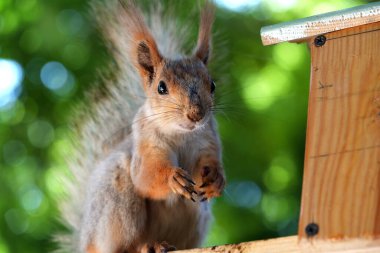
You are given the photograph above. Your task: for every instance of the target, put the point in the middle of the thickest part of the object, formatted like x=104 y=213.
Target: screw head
x=320 y=40
x=312 y=229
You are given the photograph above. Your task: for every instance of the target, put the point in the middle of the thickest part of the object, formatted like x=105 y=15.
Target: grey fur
x=101 y=191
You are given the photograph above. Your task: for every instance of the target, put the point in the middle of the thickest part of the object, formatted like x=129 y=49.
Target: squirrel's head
x=179 y=91
x=182 y=93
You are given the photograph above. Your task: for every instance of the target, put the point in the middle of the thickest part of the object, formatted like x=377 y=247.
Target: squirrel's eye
x=162 y=89
x=212 y=86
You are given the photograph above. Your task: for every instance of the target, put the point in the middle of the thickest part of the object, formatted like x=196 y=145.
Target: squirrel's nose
x=195 y=114
x=194 y=117
x=195 y=111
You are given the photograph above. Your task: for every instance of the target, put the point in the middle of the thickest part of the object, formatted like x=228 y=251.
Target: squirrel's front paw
x=213 y=180
x=181 y=183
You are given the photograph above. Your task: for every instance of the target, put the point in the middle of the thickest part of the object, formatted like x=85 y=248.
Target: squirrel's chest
x=189 y=151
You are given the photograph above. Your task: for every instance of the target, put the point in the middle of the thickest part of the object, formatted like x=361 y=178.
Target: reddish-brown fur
x=153 y=186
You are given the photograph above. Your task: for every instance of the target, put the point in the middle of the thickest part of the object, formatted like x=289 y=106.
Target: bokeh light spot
x=76 y=55
x=14 y=152
x=70 y=22
x=16 y=221
x=275 y=208
x=265 y=88
x=238 y=5
x=9 y=21
x=328 y=6
x=281 y=174
x=12 y=113
x=31 y=40
x=277 y=178
x=54 y=75
x=58 y=79
x=289 y=56
x=32 y=199
x=3 y=4
x=3 y=247
x=280 y=5
x=11 y=74
x=40 y=133
x=27 y=5
x=245 y=194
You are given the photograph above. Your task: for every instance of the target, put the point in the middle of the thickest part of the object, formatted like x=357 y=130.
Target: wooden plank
x=285 y=244
x=341 y=185
x=341 y=188
x=292 y=245
x=302 y=29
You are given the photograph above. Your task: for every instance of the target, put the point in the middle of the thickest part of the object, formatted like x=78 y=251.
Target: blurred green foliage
x=50 y=51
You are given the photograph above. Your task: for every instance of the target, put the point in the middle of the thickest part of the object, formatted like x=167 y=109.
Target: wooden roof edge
x=304 y=28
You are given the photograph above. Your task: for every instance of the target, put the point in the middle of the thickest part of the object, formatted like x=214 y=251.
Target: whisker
x=166 y=99
x=225 y=115
x=157 y=115
x=227 y=194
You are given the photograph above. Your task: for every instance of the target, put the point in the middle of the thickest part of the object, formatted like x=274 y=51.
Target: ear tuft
x=203 y=49
x=139 y=40
x=144 y=59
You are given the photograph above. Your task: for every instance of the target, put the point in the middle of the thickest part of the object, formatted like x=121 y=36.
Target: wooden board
x=292 y=245
x=302 y=29
x=341 y=186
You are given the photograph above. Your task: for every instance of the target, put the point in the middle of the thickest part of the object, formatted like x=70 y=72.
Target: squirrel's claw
x=181 y=183
x=157 y=248
x=204 y=185
x=212 y=181
x=190 y=181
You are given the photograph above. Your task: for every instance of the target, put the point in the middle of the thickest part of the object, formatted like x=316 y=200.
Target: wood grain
x=291 y=244
x=301 y=29
x=341 y=187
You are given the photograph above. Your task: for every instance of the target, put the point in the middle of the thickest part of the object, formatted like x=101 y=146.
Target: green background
x=263 y=91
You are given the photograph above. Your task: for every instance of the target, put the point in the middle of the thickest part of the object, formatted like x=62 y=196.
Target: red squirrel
x=148 y=190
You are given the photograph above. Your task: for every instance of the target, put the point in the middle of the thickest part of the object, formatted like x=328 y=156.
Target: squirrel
x=147 y=190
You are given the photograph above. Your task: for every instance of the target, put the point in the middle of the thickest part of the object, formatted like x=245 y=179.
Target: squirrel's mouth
x=191 y=125
x=188 y=126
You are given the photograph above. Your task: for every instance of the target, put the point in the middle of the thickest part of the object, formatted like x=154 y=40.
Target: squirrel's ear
x=144 y=51
x=203 y=49
x=148 y=58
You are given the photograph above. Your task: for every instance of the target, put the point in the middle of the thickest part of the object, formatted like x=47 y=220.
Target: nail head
x=320 y=40
x=312 y=229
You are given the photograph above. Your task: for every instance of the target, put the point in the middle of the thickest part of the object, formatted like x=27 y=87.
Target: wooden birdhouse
x=341 y=184
x=340 y=207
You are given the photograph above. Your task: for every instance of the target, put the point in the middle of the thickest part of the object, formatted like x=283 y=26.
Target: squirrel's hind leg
x=115 y=216
x=162 y=247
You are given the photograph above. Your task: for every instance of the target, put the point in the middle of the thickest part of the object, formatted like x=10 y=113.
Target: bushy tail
x=106 y=115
